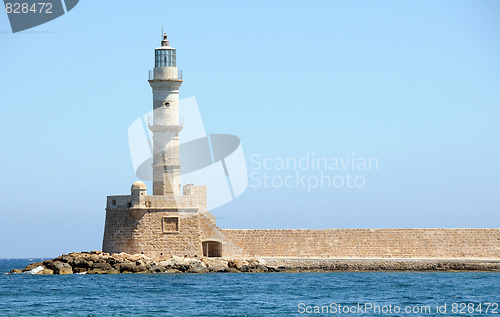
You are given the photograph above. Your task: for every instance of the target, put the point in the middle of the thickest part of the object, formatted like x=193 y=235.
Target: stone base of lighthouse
x=157 y=226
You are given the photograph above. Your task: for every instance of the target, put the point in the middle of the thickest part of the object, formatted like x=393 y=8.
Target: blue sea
x=248 y=294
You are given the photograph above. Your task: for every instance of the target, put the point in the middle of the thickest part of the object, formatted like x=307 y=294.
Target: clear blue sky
x=415 y=84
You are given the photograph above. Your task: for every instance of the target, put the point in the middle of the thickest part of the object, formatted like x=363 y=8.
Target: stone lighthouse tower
x=165 y=83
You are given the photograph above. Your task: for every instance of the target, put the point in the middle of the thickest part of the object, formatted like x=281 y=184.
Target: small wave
x=36 y=270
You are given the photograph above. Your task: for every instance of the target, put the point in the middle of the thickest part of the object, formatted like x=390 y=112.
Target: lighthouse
x=168 y=222
x=165 y=83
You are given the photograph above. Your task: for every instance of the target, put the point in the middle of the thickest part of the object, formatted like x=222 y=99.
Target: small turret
x=138 y=192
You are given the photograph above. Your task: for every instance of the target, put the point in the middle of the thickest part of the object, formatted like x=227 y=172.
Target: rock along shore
x=97 y=262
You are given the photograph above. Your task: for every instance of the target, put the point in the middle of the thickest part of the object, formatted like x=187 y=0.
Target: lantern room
x=165 y=55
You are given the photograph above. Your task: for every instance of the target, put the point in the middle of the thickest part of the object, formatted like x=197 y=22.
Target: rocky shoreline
x=97 y=262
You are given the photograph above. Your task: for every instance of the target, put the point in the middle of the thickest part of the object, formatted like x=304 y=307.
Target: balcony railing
x=151 y=74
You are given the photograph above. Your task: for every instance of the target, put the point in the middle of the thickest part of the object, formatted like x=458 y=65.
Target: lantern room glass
x=165 y=58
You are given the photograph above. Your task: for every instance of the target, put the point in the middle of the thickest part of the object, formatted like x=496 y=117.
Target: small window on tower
x=167 y=104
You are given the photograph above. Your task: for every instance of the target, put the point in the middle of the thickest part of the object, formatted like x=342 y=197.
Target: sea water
x=249 y=294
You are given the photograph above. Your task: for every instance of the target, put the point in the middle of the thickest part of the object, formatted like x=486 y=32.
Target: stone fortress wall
x=162 y=226
x=365 y=243
x=356 y=243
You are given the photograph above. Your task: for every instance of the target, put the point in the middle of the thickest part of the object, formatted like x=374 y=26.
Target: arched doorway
x=212 y=249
